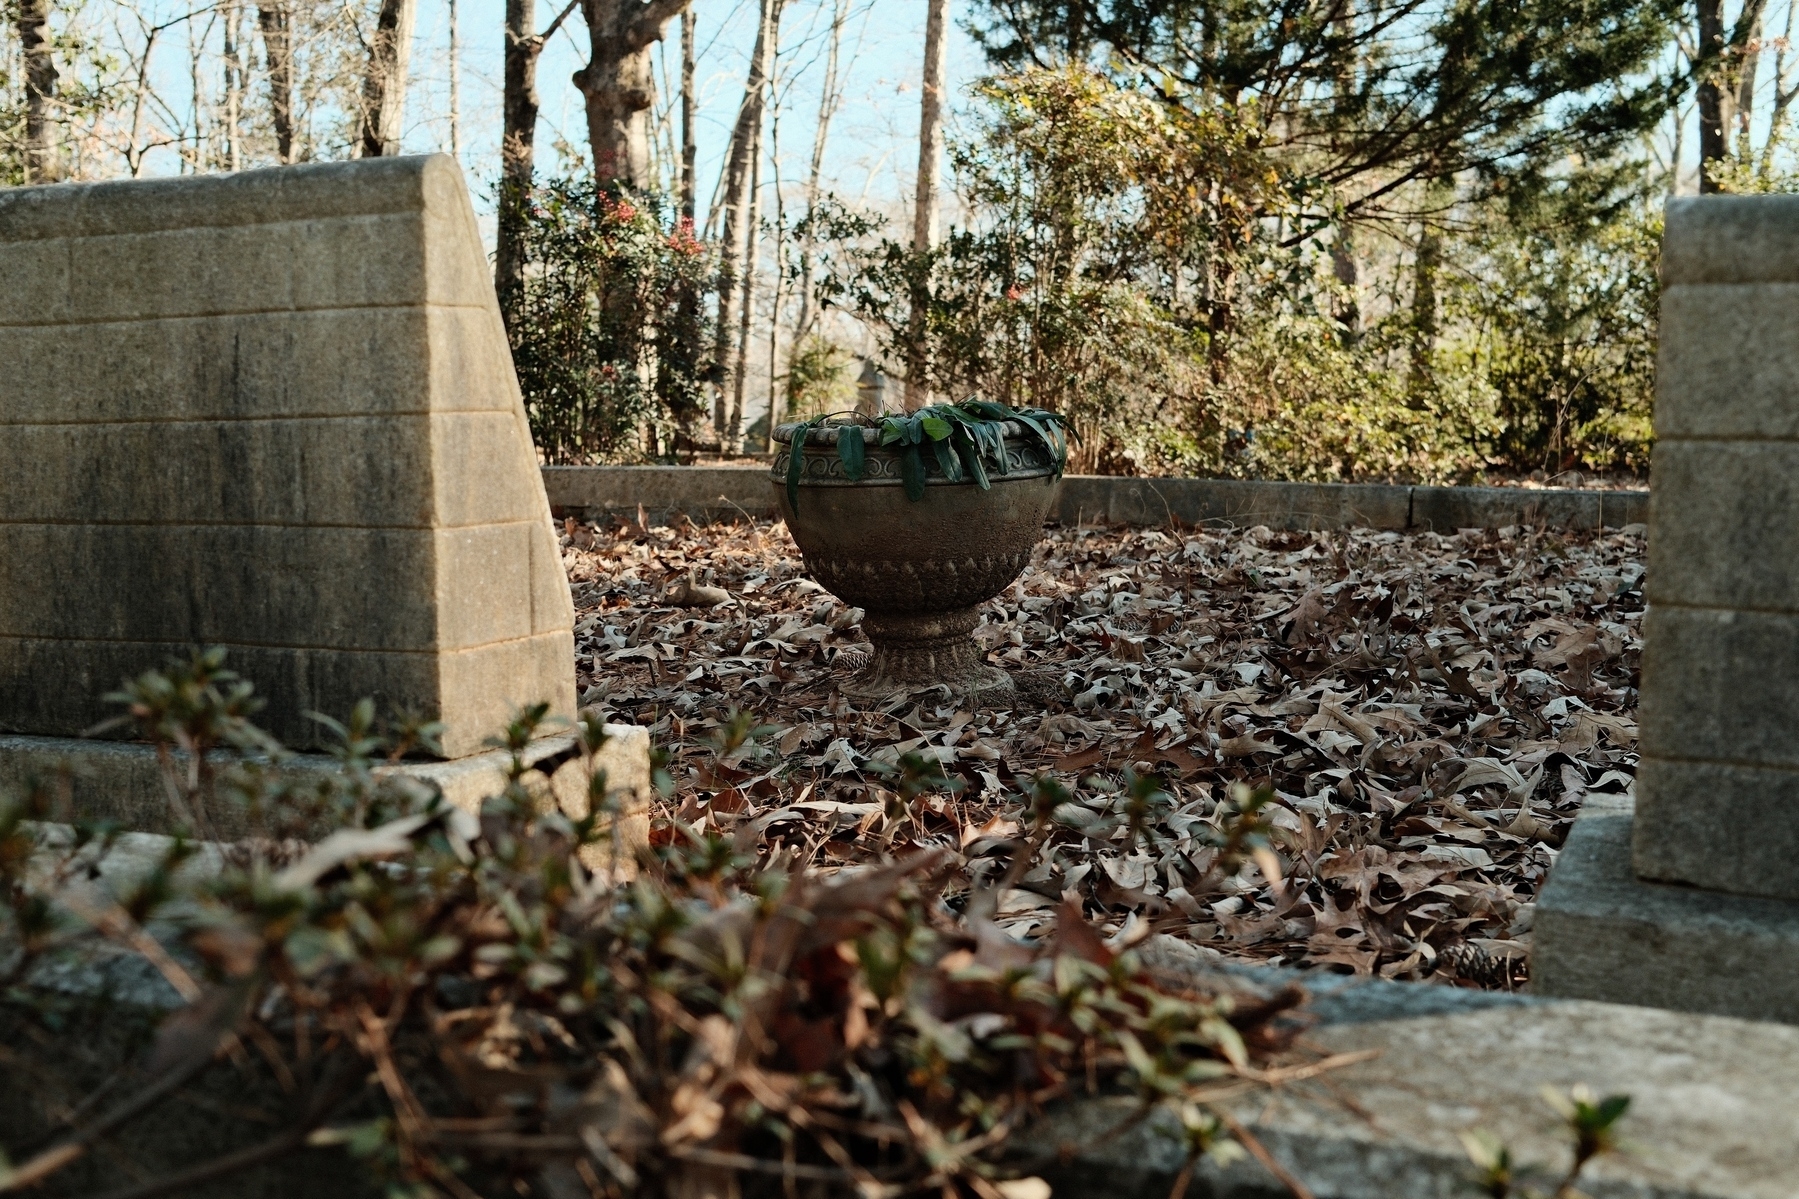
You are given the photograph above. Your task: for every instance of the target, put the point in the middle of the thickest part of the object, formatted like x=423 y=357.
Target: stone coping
x=121 y=781
x=1711 y=1112
x=1603 y=933
x=719 y=492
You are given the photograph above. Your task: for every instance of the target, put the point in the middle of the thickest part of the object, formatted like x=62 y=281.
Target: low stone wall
x=716 y=492
x=1711 y=1115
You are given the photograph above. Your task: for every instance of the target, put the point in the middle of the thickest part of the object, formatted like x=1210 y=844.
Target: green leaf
x=893 y=429
x=934 y=426
x=912 y=472
x=851 y=451
x=796 y=463
x=947 y=461
x=970 y=449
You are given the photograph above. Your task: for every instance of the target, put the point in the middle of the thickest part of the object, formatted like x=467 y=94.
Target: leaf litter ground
x=1429 y=711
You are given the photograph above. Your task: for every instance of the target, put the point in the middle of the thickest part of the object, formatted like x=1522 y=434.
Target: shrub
x=609 y=335
x=460 y=1002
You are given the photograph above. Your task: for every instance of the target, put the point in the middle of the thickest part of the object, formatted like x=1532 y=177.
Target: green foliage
x=1590 y=1121
x=1088 y=198
x=1559 y=313
x=607 y=328
x=818 y=379
x=1128 y=263
x=469 y=1006
x=1359 y=98
x=963 y=440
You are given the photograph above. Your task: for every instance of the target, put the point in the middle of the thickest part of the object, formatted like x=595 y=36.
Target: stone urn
x=920 y=567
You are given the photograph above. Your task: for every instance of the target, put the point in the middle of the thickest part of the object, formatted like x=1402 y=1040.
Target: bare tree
x=1726 y=69
x=455 y=86
x=518 y=140
x=689 y=146
x=746 y=137
x=236 y=84
x=384 y=87
x=619 y=84
x=275 y=21
x=926 y=203
x=40 y=91
x=733 y=439
x=827 y=108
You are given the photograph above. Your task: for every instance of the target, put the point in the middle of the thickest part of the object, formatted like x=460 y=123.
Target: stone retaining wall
x=716 y=492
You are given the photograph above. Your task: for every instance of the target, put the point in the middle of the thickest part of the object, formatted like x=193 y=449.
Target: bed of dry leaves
x=1429 y=711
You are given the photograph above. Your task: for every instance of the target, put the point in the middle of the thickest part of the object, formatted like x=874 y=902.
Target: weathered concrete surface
x=273 y=411
x=1712 y=1112
x=701 y=493
x=709 y=493
x=1603 y=933
x=1720 y=764
x=121 y=781
x=1711 y=1116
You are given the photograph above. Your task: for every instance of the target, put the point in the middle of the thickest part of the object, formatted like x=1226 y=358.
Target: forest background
x=1314 y=239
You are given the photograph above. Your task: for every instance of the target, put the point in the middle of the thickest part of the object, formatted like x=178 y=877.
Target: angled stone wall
x=274 y=411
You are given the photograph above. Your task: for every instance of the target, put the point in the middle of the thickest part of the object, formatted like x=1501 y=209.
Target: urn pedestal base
x=912 y=653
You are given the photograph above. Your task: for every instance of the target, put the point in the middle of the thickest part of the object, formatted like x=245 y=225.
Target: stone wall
x=727 y=492
x=273 y=411
x=1718 y=787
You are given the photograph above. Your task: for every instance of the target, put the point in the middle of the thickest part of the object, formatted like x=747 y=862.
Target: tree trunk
x=740 y=366
x=619 y=85
x=40 y=91
x=1424 y=307
x=925 y=203
x=455 y=86
x=1743 y=107
x=1348 y=304
x=827 y=108
x=746 y=136
x=518 y=146
x=1726 y=70
x=689 y=146
x=278 y=52
x=384 y=89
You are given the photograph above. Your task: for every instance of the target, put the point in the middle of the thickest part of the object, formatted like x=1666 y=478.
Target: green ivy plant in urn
x=918 y=519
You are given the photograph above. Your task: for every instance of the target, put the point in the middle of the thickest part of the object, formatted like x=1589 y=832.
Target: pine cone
x=1474 y=963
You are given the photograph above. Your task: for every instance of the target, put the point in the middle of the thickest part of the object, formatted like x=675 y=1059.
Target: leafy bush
x=1559 y=317
x=1130 y=262
x=460 y=1001
x=818 y=379
x=609 y=337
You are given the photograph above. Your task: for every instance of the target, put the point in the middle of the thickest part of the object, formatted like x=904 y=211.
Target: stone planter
x=919 y=569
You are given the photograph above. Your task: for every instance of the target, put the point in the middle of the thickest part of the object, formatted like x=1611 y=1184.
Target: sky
x=871 y=153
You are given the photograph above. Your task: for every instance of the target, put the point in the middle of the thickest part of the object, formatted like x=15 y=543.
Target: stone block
x=122 y=781
x=1240 y=502
x=1717 y=686
x=1603 y=933
x=1709 y=1118
x=698 y=492
x=360 y=362
x=1730 y=239
x=1719 y=825
x=1725 y=533
x=272 y=411
x=1725 y=362
x=1445 y=509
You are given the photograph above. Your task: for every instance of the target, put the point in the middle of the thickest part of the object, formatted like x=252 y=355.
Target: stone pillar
x=1692 y=901
x=273 y=411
